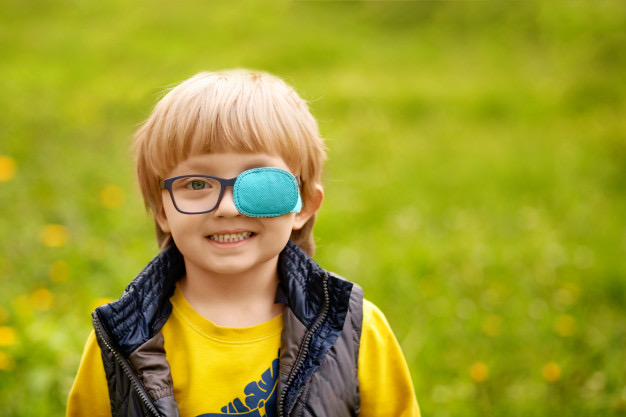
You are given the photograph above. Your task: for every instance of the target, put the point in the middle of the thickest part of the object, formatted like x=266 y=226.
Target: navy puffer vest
x=319 y=349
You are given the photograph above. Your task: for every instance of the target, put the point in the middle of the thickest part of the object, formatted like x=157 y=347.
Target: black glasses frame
x=167 y=185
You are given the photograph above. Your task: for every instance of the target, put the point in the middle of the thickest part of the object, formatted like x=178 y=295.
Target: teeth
x=232 y=237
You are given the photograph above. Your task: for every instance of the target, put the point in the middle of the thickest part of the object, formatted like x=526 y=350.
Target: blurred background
x=475 y=186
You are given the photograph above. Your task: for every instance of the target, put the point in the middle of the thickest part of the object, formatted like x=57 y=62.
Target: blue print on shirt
x=260 y=397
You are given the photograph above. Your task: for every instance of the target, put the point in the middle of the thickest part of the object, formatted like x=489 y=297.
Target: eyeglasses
x=257 y=192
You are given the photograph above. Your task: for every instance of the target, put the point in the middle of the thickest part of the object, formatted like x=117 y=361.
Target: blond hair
x=231 y=111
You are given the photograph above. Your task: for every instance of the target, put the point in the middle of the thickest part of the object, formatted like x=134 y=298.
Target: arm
x=384 y=379
x=90 y=395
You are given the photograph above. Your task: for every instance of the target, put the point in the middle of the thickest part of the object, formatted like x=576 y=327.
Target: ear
x=310 y=208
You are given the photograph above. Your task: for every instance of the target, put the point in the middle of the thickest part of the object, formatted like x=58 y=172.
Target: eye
x=198 y=185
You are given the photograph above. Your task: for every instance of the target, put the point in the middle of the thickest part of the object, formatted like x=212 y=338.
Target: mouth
x=230 y=237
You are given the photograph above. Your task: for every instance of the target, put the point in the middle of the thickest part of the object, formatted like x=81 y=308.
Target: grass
x=474 y=186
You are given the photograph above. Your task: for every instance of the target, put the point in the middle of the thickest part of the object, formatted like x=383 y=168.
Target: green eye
x=198 y=185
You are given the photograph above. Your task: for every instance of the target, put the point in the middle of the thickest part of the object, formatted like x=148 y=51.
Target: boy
x=233 y=316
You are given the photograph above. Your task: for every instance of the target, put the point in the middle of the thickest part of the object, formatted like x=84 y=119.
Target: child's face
x=224 y=241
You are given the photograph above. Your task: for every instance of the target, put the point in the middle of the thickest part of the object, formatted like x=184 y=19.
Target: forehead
x=227 y=165
x=201 y=150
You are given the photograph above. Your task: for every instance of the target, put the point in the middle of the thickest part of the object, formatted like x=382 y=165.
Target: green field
x=474 y=188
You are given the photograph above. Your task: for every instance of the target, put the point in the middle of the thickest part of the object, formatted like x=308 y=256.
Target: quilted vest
x=319 y=345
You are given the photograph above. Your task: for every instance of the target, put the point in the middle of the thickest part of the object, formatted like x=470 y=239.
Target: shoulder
x=373 y=318
x=144 y=306
x=89 y=394
x=377 y=337
x=384 y=378
x=371 y=310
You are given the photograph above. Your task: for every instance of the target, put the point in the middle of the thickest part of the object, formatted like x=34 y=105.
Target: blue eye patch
x=266 y=192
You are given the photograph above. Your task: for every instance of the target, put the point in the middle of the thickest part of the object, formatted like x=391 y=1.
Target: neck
x=237 y=300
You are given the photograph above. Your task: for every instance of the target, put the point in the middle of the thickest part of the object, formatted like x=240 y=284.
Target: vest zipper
x=305 y=346
x=126 y=367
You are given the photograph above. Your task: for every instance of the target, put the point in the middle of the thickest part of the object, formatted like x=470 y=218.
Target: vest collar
x=144 y=307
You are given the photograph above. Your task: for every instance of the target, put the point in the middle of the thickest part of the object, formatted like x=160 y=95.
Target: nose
x=226 y=206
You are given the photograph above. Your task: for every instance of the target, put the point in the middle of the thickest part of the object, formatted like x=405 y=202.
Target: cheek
x=168 y=215
x=161 y=219
x=286 y=221
x=281 y=226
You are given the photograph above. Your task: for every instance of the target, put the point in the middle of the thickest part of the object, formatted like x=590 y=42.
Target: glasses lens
x=195 y=194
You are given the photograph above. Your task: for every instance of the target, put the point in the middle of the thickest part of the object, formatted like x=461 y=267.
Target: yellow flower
x=112 y=197
x=479 y=372
x=54 y=235
x=492 y=325
x=59 y=271
x=7 y=168
x=565 y=325
x=551 y=372
x=6 y=362
x=8 y=337
x=42 y=299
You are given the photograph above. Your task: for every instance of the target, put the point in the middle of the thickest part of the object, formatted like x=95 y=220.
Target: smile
x=231 y=237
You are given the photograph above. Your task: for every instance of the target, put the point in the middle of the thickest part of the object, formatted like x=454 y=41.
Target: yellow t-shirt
x=238 y=367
